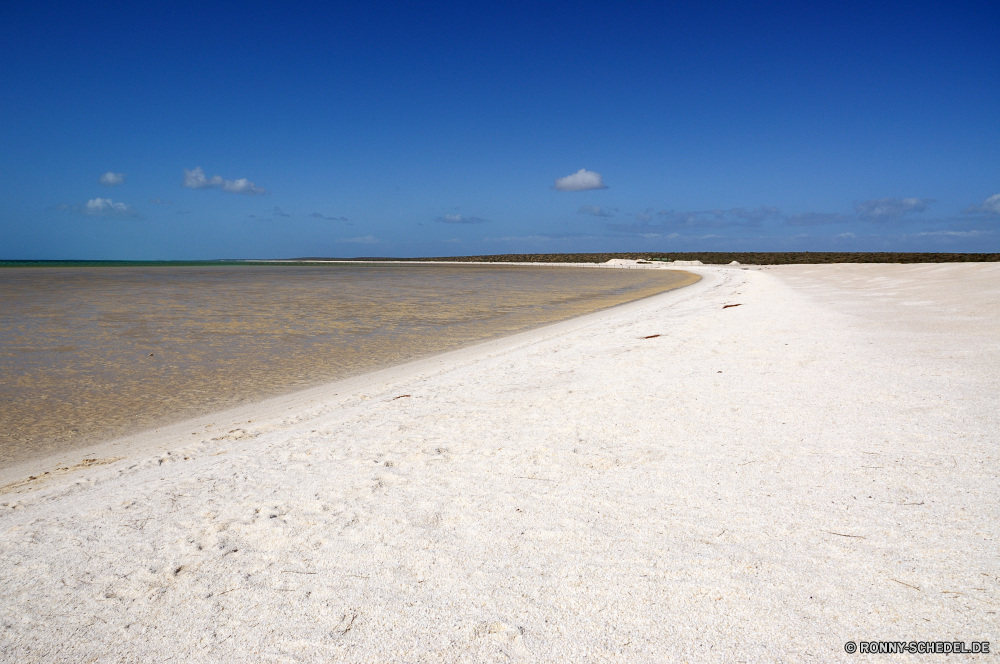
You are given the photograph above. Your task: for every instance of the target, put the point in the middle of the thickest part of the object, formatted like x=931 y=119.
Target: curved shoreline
x=121 y=450
x=120 y=352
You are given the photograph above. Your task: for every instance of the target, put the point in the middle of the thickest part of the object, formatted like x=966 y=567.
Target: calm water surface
x=94 y=353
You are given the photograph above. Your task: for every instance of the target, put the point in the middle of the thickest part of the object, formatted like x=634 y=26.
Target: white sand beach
x=677 y=479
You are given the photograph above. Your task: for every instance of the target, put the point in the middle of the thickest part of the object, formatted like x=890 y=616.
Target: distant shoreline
x=706 y=257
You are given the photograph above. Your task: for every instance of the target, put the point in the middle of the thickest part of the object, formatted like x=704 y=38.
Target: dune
x=676 y=479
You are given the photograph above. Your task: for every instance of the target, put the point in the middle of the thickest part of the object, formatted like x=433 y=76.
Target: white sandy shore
x=757 y=483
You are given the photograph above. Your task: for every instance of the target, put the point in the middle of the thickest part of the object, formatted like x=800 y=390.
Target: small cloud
x=317 y=215
x=278 y=213
x=459 y=219
x=158 y=201
x=241 y=186
x=582 y=180
x=973 y=233
x=596 y=211
x=644 y=216
x=105 y=207
x=846 y=235
x=112 y=179
x=367 y=239
x=886 y=209
x=990 y=206
x=195 y=179
x=184 y=212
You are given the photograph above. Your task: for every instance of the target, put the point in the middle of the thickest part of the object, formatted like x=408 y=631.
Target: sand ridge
x=674 y=480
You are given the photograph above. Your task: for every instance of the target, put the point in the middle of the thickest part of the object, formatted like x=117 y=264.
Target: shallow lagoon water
x=89 y=354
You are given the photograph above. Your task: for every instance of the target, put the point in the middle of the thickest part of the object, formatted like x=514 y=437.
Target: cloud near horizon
x=111 y=179
x=195 y=179
x=990 y=206
x=317 y=215
x=886 y=209
x=973 y=233
x=459 y=219
x=876 y=210
x=595 y=211
x=582 y=180
x=105 y=207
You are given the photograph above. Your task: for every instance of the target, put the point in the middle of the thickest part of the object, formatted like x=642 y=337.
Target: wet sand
x=91 y=354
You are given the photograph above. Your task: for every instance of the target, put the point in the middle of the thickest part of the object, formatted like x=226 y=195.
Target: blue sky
x=217 y=130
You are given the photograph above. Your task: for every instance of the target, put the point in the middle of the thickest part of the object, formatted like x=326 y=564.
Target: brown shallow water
x=90 y=354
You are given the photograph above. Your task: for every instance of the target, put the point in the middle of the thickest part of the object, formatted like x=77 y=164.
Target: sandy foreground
x=670 y=480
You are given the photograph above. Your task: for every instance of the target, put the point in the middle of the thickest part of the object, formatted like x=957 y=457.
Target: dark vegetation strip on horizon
x=721 y=257
x=707 y=257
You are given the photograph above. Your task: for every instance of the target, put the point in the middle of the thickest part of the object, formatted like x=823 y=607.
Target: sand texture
x=677 y=479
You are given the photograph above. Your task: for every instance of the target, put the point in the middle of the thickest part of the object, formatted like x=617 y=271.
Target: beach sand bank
x=676 y=479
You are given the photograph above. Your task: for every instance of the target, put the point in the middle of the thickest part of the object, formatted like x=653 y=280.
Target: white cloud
x=973 y=233
x=195 y=179
x=847 y=234
x=884 y=209
x=459 y=219
x=241 y=186
x=105 y=207
x=582 y=180
x=367 y=239
x=644 y=216
x=596 y=211
x=990 y=206
x=112 y=179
